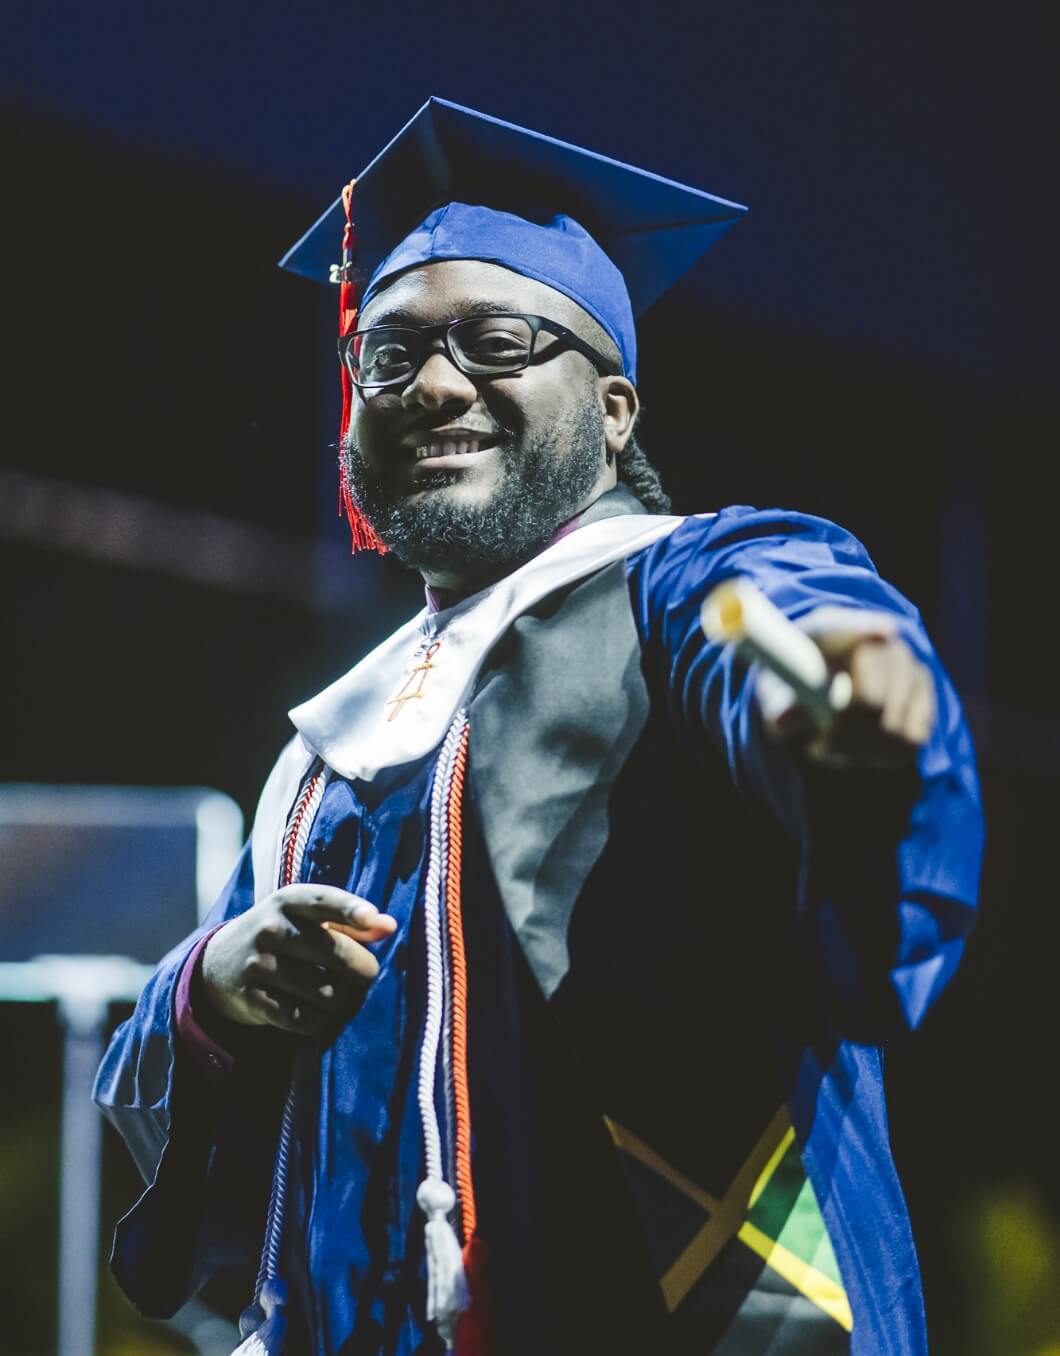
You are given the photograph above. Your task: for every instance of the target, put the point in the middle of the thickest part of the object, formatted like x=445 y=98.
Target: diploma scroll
x=737 y=613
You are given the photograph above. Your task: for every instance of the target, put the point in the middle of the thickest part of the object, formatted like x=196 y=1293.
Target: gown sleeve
x=890 y=861
x=203 y=1144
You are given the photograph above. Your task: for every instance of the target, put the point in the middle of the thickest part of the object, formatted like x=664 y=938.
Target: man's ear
x=618 y=396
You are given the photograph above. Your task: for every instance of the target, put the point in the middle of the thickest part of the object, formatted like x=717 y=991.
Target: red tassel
x=363 y=535
x=472 y=1329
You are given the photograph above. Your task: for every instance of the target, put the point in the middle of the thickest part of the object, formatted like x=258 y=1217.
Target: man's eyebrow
x=462 y=307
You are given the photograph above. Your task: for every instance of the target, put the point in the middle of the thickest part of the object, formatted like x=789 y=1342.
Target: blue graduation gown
x=680 y=1129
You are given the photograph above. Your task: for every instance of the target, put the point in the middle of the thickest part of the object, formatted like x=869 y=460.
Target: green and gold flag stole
x=759 y=1257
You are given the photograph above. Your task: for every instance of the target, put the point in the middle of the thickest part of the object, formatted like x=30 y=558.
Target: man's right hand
x=296 y=960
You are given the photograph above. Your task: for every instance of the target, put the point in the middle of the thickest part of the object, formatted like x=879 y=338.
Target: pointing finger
x=327 y=904
x=326 y=945
x=869 y=673
x=920 y=717
x=898 y=692
x=381 y=925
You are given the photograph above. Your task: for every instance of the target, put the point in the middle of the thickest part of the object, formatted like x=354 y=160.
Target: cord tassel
x=447 y=1293
x=263 y=1326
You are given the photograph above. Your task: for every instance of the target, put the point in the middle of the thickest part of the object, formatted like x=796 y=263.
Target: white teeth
x=451 y=447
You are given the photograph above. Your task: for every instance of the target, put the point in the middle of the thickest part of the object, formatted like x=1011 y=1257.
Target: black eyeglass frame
x=430 y=333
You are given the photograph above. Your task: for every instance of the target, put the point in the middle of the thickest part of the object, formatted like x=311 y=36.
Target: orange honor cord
x=363 y=535
x=458 y=961
x=472 y=1328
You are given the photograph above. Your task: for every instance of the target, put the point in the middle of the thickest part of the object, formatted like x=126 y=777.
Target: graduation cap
x=456 y=184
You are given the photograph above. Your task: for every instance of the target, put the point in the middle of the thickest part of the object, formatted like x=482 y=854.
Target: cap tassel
x=364 y=536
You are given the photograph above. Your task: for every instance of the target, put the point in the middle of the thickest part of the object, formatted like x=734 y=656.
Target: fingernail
x=363 y=913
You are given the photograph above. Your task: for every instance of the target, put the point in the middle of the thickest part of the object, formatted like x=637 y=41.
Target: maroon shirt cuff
x=212 y=1060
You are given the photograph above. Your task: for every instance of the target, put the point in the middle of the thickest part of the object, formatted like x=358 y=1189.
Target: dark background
x=876 y=343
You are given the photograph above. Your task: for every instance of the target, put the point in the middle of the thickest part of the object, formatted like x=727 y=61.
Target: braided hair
x=641 y=475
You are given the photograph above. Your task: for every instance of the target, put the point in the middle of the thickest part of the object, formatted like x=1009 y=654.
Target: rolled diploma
x=737 y=613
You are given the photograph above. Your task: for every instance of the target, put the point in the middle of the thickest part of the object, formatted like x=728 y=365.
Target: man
x=544 y=1010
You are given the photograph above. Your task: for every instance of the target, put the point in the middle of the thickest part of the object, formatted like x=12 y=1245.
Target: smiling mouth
x=452 y=447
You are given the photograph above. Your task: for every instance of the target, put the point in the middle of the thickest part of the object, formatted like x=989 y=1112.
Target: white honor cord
x=447 y=1292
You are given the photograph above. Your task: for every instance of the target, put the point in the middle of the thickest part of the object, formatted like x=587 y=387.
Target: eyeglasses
x=479 y=345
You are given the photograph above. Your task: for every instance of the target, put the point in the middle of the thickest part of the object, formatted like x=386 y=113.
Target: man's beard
x=534 y=493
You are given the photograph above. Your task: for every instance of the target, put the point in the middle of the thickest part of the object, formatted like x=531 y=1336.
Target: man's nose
x=439 y=383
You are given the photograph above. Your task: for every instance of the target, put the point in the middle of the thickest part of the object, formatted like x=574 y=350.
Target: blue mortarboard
x=456 y=184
